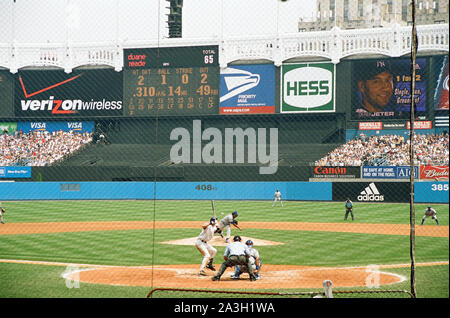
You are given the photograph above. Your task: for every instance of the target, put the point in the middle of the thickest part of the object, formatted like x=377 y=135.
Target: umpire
x=236 y=253
x=349 y=209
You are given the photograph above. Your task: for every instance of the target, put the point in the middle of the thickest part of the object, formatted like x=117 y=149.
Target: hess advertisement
x=56 y=94
x=382 y=88
x=307 y=87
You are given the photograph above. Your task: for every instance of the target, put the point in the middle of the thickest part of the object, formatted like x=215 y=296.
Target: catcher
x=255 y=262
x=226 y=222
x=236 y=253
x=2 y=211
x=430 y=212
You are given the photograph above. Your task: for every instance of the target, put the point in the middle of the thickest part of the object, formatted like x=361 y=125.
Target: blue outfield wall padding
x=425 y=192
x=431 y=192
x=312 y=191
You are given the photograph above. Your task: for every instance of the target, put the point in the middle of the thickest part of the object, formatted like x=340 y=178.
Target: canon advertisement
x=371 y=191
x=320 y=172
x=56 y=94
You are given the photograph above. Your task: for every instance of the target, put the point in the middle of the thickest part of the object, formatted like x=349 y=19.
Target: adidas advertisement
x=247 y=89
x=371 y=192
x=307 y=87
x=56 y=94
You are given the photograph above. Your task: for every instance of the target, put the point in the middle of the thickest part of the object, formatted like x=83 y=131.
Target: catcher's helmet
x=249 y=243
x=237 y=238
x=235 y=213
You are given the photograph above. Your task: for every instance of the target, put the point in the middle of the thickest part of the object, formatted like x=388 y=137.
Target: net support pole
x=411 y=149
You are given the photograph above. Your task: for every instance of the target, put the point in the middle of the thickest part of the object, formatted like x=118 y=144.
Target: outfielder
x=430 y=212
x=255 y=262
x=205 y=249
x=277 y=197
x=2 y=211
x=226 y=222
x=348 y=209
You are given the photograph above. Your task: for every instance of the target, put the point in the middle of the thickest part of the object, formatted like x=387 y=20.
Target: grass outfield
x=135 y=247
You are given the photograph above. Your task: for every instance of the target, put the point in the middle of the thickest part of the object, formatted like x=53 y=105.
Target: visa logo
x=38 y=125
x=75 y=125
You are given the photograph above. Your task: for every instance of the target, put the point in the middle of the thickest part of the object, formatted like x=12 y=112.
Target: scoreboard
x=171 y=81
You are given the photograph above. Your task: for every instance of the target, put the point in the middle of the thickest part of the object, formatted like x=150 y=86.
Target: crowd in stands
x=389 y=150
x=39 y=148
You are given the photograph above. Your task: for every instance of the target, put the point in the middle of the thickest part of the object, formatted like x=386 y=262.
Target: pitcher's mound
x=218 y=241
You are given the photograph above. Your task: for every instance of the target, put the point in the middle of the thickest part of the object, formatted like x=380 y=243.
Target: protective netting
x=126 y=133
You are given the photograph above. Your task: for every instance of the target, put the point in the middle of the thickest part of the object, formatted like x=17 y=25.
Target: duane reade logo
x=238 y=81
x=370 y=193
x=308 y=87
x=212 y=145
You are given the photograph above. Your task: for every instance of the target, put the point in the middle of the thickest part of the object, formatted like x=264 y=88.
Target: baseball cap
x=235 y=213
x=369 y=69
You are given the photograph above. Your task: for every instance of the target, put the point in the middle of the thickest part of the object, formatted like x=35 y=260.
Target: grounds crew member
x=236 y=253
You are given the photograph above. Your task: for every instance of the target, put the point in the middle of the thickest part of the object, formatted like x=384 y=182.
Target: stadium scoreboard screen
x=171 y=81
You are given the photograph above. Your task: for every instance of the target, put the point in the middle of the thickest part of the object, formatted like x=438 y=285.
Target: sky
x=60 y=21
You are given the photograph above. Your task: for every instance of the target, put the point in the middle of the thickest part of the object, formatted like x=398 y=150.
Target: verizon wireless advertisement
x=56 y=94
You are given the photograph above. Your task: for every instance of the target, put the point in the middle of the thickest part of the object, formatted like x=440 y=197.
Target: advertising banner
x=56 y=94
x=438 y=173
x=381 y=88
x=441 y=91
x=8 y=128
x=308 y=87
x=377 y=125
x=371 y=192
x=388 y=172
x=51 y=126
x=15 y=172
x=335 y=172
x=247 y=89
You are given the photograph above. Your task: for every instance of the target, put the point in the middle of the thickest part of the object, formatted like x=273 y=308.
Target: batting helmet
x=249 y=243
x=212 y=220
x=237 y=238
x=235 y=213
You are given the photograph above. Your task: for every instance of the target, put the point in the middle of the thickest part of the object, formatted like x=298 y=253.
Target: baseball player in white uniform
x=277 y=197
x=255 y=262
x=2 y=211
x=226 y=222
x=430 y=212
x=205 y=249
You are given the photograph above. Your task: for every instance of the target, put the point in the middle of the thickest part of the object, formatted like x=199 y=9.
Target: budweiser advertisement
x=439 y=173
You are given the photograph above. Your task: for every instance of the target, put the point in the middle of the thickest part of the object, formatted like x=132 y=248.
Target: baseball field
x=126 y=248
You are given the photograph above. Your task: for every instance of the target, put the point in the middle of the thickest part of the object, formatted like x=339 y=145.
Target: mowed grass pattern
x=144 y=247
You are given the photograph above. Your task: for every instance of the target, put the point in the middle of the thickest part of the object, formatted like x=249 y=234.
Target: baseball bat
x=213 y=206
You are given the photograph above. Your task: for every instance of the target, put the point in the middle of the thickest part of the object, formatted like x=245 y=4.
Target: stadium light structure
x=174 y=20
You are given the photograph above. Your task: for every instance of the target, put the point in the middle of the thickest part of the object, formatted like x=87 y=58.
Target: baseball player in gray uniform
x=204 y=248
x=429 y=211
x=236 y=253
x=277 y=197
x=2 y=211
x=255 y=262
x=226 y=222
